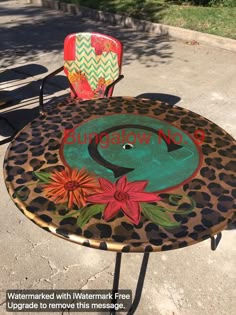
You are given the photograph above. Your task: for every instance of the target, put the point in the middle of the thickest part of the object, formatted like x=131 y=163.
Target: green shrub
x=206 y=3
x=223 y=3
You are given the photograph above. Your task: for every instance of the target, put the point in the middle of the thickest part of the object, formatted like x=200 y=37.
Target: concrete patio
x=188 y=281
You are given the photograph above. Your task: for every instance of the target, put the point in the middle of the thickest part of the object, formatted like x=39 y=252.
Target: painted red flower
x=72 y=186
x=124 y=196
x=101 y=45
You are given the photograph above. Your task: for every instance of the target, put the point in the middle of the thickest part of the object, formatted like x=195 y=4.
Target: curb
x=140 y=25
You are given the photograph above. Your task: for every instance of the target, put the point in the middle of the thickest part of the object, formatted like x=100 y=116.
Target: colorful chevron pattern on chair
x=92 y=61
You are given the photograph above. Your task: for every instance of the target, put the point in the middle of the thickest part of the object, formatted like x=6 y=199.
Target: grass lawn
x=219 y=21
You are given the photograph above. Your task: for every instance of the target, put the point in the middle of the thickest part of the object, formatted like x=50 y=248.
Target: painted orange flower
x=76 y=76
x=72 y=77
x=81 y=85
x=123 y=195
x=72 y=186
x=101 y=86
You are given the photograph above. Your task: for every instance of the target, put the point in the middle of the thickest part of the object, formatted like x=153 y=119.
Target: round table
x=124 y=174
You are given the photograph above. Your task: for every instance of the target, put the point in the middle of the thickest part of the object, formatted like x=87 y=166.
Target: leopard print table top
x=126 y=195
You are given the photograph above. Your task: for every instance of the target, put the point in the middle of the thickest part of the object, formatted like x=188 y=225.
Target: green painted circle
x=150 y=158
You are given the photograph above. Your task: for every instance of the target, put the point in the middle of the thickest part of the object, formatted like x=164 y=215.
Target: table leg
x=116 y=280
x=215 y=241
x=139 y=288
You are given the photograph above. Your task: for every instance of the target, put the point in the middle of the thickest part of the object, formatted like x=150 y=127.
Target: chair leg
x=140 y=283
x=215 y=240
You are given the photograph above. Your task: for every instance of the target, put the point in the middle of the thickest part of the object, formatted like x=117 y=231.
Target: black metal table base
x=139 y=287
x=214 y=243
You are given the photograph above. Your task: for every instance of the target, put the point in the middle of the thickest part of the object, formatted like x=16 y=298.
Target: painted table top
x=124 y=174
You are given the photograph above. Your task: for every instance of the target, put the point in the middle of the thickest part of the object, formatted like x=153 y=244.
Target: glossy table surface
x=124 y=174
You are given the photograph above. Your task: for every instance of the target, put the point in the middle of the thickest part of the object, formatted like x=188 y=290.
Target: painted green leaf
x=158 y=216
x=44 y=177
x=175 y=199
x=87 y=213
x=180 y=211
x=67 y=215
x=21 y=192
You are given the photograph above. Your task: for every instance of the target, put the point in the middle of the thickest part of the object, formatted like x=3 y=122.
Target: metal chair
x=92 y=64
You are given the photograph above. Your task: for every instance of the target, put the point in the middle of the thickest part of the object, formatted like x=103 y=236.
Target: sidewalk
x=188 y=281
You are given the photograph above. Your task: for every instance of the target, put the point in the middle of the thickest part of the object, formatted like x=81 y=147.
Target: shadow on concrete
x=18 y=87
x=14 y=120
x=14 y=86
x=21 y=72
x=14 y=90
x=11 y=122
x=43 y=31
x=166 y=98
x=27 y=93
x=21 y=117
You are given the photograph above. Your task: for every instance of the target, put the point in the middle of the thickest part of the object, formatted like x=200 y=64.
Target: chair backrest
x=92 y=61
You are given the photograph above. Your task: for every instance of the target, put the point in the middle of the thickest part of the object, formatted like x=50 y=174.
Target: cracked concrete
x=188 y=281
